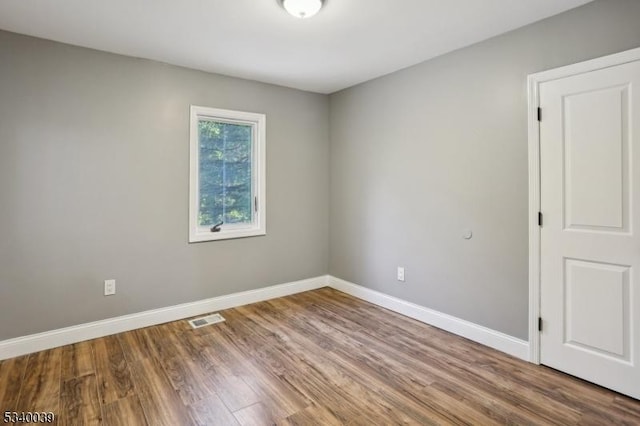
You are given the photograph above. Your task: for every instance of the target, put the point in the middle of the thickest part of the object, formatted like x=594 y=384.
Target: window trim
x=259 y=122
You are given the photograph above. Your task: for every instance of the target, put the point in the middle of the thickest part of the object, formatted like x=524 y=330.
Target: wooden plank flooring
x=320 y=357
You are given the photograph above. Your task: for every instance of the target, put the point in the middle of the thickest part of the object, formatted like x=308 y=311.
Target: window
x=227 y=174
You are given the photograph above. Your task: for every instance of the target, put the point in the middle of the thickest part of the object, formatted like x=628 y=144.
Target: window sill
x=200 y=237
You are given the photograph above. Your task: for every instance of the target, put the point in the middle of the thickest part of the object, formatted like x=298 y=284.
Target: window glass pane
x=224 y=173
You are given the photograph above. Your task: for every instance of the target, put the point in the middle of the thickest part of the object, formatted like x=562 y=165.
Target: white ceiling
x=348 y=42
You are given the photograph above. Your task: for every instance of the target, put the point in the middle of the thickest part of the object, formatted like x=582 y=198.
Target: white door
x=590 y=235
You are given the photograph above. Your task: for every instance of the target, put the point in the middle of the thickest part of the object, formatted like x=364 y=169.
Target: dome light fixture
x=302 y=8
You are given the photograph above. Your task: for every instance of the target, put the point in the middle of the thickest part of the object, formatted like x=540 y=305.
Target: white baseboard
x=486 y=336
x=64 y=336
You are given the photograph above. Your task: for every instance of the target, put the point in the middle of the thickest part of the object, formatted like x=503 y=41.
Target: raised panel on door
x=596 y=168
x=597 y=308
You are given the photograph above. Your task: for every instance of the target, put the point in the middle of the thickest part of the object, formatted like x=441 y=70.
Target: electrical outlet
x=401 y=273
x=109 y=287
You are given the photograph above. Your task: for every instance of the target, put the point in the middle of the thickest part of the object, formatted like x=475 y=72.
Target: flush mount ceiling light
x=302 y=8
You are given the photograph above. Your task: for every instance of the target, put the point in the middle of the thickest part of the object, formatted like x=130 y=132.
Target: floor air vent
x=204 y=321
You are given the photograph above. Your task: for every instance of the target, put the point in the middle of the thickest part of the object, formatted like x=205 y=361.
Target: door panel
x=595 y=154
x=590 y=245
x=596 y=307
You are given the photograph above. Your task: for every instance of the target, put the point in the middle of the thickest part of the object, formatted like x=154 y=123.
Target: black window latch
x=216 y=227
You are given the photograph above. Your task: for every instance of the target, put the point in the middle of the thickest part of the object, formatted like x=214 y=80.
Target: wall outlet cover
x=109 y=287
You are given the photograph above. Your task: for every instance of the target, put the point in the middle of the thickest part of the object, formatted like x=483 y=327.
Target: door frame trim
x=535 y=254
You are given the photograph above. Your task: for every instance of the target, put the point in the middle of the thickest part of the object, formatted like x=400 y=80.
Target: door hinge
x=539 y=114
x=255 y=203
x=539 y=218
x=539 y=323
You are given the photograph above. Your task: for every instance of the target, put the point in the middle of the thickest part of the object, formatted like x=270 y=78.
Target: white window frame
x=199 y=233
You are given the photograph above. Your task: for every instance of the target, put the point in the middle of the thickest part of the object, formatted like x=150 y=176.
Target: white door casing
x=584 y=279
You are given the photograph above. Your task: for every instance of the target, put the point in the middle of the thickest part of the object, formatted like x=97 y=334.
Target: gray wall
x=94 y=178
x=424 y=153
x=94 y=185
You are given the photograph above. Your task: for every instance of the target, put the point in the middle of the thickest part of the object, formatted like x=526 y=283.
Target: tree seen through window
x=225 y=173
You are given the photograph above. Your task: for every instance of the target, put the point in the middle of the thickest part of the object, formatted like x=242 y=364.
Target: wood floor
x=320 y=357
